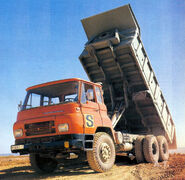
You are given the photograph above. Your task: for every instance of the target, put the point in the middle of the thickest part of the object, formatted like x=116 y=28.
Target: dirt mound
x=177 y=166
x=18 y=167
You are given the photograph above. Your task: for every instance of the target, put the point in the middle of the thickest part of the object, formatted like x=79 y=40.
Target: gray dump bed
x=115 y=56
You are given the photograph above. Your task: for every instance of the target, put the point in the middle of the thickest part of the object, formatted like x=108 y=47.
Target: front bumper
x=72 y=142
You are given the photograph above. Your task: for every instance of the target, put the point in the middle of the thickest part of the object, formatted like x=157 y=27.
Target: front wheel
x=102 y=157
x=42 y=164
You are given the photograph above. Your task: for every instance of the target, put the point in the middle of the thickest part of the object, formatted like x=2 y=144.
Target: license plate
x=17 y=147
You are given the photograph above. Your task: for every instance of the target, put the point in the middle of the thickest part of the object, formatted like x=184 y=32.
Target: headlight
x=18 y=133
x=63 y=127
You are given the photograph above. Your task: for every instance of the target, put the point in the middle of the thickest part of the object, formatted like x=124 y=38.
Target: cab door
x=90 y=109
x=102 y=107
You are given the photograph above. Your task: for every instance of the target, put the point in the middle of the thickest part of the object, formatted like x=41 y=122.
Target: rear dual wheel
x=151 y=149
x=163 y=148
x=139 y=149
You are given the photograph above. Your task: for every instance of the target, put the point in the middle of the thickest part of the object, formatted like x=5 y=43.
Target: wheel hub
x=105 y=152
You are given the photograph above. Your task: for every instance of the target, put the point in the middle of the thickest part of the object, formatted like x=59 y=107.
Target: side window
x=87 y=93
x=83 y=96
x=98 y=95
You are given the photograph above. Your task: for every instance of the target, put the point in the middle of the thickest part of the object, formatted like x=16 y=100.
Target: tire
x=42 y=164
x=139 y=149
x=151 y=149
x=102 y=157
x=163 y=148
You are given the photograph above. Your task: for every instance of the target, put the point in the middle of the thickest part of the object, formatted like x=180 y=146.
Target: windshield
x=51 y=95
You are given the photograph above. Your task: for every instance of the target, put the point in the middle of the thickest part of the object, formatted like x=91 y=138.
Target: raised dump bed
x=115 y=56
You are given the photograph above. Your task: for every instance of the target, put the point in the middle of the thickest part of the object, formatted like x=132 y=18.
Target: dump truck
x=120 y=111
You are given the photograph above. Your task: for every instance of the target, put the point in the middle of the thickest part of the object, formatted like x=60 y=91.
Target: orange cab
x=60 y=115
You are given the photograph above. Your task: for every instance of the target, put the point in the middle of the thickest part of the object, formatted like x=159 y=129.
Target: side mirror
x=20 y=106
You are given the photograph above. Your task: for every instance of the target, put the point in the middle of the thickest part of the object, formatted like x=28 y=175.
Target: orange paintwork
x=73 y=113
x=48 y=113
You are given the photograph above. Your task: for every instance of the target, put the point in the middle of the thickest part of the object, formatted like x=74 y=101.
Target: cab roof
x=59 y=82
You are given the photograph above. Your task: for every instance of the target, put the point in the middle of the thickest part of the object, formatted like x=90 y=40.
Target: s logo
x=89 y=120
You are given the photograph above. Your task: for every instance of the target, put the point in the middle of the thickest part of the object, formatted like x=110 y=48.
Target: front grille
x=40 y=128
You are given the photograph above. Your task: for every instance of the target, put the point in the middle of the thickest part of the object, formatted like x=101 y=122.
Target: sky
x=41 y=40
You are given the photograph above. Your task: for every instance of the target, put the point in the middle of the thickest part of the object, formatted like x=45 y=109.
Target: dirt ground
x=18 y=167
